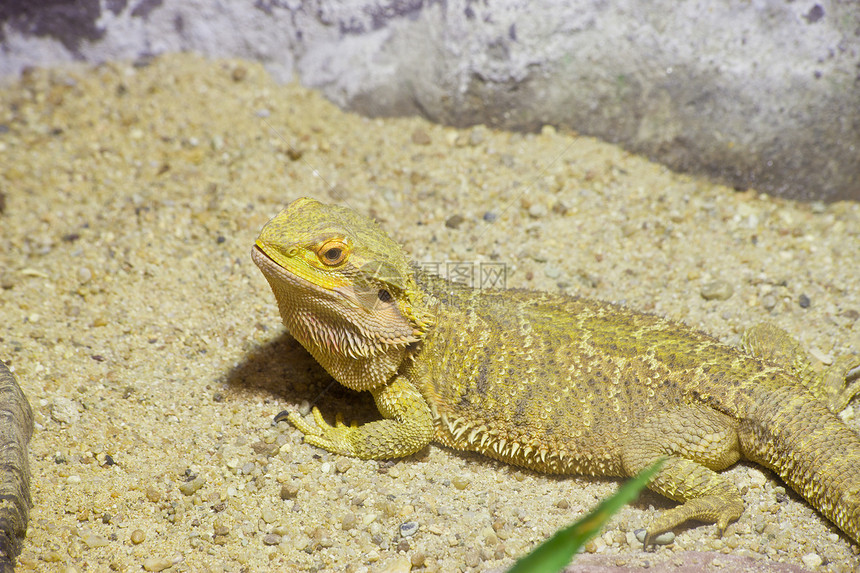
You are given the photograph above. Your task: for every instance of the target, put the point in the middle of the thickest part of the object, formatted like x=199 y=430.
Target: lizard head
x=344 y=290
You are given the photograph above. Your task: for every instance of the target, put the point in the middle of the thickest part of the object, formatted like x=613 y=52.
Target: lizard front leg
x=406 y=427
x=696 y=441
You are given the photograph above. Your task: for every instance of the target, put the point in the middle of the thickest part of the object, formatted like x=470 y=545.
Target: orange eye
x=333 y=252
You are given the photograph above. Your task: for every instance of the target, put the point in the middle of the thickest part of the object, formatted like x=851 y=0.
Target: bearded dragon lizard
x=554 y=383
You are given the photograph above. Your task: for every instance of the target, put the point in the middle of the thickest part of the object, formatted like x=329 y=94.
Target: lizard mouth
x=275 y=271
x=271 y=268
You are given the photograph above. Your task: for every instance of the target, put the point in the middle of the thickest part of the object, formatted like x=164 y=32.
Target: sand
x=151 y=350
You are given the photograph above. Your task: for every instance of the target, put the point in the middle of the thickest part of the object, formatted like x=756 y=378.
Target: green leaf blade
x=556 y=552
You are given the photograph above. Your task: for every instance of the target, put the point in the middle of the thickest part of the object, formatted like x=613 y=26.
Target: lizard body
x=554 y=383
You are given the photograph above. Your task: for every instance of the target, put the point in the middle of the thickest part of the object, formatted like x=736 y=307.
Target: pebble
x=490 y=217
x=85 y=275
x=812 y=560
x=342 y=465
x=757 y=478
x=459 y=482
x=804 y=301
x=93 y=541
x=138 y=536
x=239 y=73
x=269 y=516
x=271 y=539
x=408 y=529
x=156 y=564
x=454 y=221
x=349 y=521
x=537 y=211
x=64 y=411
x=552 y=271
x=191 y=487
x=664 y=538
x=418 y=558
x=399 y=564
x=716 y=290
x=421 y=137
x=289 y=491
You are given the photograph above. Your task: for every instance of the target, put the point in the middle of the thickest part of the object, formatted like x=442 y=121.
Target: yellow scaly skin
x=554 y=383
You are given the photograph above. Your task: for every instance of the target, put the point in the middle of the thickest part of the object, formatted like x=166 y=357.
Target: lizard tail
x=812 y=450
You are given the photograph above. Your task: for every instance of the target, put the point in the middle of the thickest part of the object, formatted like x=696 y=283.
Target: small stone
x=757 y=478
x=490 y=217
x=156 y=564
x=269 y=516
x=552 y=271
x=84 y=275
x=289 y=491
x=349 y=521
x=562 y=504
x=408 y=529
x=664 y=538
x=64 y=411
x=418 y=558
x=239 y=73
x=454 y=221
x=153 y=495
x=459 y=482
x=93 y=541
x=812 y=560
x=537 y=211
x=271 y=539
x=264 y=449
x=472 y=558
x=717 y=290
x=191 y=487
x=138 y=536
x=769 y=302
x=421 y=137
x=399 y=564
x=342 y=465
x=804 y=301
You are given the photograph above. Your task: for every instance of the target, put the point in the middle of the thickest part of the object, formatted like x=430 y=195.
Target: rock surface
x=755 y=94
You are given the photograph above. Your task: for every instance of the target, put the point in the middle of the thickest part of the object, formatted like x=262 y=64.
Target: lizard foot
x=842 y=380
x=336 y=439
x=711 y=508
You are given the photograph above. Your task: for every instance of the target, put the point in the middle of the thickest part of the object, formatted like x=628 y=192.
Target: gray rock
x=763 y=95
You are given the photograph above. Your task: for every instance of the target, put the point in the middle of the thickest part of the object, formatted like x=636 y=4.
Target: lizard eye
x=333 y=252
x=384 y=295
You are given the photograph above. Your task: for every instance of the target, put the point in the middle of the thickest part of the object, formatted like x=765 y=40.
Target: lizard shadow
x=283 y=370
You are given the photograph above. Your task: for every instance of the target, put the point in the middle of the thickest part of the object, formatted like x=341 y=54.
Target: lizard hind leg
x=836 y=385
x=696 y=441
